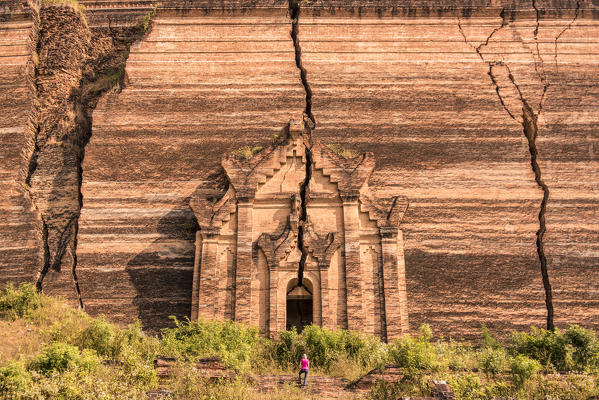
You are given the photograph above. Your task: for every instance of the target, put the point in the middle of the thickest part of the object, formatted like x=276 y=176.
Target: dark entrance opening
x=299 y=305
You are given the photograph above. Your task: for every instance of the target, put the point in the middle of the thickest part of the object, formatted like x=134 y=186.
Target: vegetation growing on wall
x=49 y=349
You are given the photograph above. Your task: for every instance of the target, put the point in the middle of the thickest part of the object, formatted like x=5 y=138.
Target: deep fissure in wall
x=70 y=71
x=529 y=117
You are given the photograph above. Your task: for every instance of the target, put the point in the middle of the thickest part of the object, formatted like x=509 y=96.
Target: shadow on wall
x=162 y=274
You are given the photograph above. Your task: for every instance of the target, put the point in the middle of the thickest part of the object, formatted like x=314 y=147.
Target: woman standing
x=304 y=365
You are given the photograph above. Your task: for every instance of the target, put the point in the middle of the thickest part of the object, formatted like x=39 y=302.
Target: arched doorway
x=300 y=308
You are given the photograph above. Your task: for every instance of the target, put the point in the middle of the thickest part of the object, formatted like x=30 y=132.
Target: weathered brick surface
x=414 y=83
x=197 y=88
x=19 y=246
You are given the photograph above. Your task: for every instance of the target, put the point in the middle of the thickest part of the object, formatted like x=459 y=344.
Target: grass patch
x=247 y=152
x=342 y=151
x=49 y=349
x=71 y=3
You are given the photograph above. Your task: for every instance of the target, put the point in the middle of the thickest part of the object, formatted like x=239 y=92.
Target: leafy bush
x=288 y=349
x=61 y=357
x=467 y=387
x=523 y=368
x=550 y=348
x=100 y=336
x=415 y=354
x=487 y=339
x=14 y=378
x=247 y=152
x=342 y=151
x=323 y=346
x=585 y=346
x=19 y=303
x=492 y=361
x=233 y=343
x=329 y=350
x=575 y=350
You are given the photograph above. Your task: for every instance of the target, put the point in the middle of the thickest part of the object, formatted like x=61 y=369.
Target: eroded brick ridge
x=248 y=252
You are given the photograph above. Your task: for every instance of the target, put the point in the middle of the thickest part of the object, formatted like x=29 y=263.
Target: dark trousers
x=305 y=372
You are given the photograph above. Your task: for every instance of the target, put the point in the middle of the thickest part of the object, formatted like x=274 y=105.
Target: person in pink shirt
x=305 y=365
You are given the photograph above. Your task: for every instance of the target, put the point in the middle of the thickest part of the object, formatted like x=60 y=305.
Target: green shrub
x=323 y=346
x=233 y=343
x=523 y=368
x=415 y=354
x=288 y=349
x=492 y=361
x=19 y=303
x=14 y=378
x=100 y=336
x=382 y=390
x=487 y=339
x=342 y=152
x=550 y=348
x=585 y=354
x=467 y=387
x=247 y=152
x=60 y=357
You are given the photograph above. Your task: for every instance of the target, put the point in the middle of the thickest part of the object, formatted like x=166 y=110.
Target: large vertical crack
x=309 y=124
x=528 y=121
x=71 y=70
x=294 y=14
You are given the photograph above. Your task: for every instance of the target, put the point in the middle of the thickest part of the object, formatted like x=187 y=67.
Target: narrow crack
x=303 y=217
x=530 y=129
x=568 y=27
x=294 y=14
x=539 y=63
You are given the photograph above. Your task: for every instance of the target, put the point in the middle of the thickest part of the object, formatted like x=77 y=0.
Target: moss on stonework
x=247 y=152
x=342 y=151
x=72 y=3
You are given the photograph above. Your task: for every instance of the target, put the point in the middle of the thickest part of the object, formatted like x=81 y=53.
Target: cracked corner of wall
x=69 y=70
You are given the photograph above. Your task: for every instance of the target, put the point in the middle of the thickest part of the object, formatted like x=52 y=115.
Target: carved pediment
x=211 y=212
x=278 y=247
x=321 y=246
x=350 y=174
x=386 y=211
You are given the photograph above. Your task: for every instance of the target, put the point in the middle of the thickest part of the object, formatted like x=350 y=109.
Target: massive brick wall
x=421 y=85
x=197 y=87
x=407 y=80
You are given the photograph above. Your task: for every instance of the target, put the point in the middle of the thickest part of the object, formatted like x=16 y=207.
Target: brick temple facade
x=299 y=237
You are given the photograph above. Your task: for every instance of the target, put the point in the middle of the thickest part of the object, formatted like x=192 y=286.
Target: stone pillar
x=394 y=284
x=403 y=291
x=273 y=306
x=195 y=285
x=327 y=321
x=353 y=274
x=208 y=276
x=243 y=275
